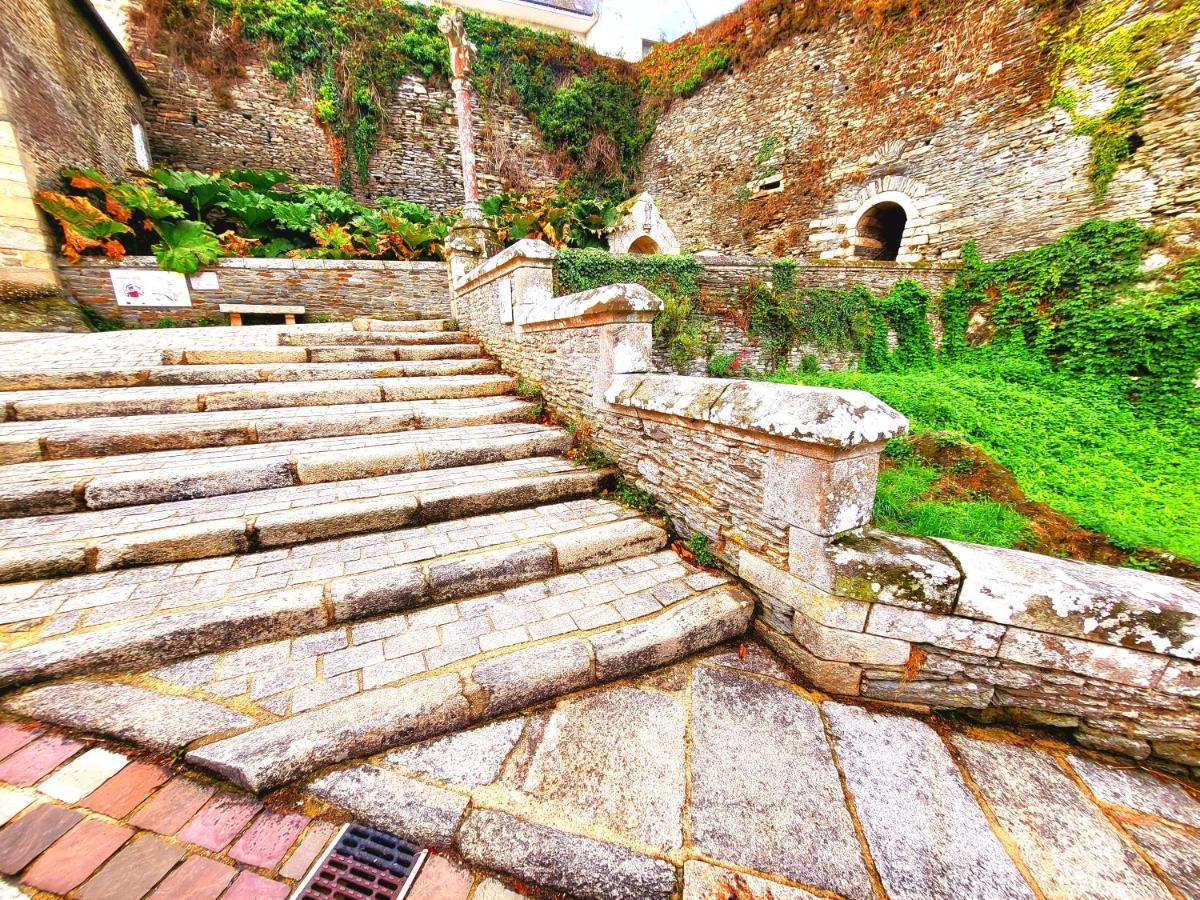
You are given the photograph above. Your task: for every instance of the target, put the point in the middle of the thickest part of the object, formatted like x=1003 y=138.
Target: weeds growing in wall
x=354 y=52
x=1105 y=42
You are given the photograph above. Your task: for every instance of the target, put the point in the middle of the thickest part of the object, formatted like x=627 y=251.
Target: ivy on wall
x=1105 y=42
x=354 y=52
x=1083 y=304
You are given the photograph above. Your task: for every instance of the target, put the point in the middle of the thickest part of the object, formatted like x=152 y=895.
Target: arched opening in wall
x=879 y=232
x=644 y=244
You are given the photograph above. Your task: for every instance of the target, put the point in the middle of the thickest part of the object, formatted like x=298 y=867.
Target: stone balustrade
x=781 y=479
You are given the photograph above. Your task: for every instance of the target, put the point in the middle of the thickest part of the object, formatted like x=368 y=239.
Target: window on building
x=880 y=230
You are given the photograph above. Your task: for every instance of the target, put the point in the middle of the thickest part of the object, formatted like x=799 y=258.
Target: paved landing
x=726 y=777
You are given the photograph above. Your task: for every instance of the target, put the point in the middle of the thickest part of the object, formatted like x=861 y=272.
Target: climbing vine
x=1098 y=44
x=354 y=52
x=1083 y=304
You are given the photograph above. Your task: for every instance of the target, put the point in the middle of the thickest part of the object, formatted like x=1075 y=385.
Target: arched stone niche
x=643 y=227
x=893 y=218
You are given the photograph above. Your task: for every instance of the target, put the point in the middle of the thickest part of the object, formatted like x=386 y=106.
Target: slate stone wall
x=338 y=288
x=956 y=121
x=266 y=123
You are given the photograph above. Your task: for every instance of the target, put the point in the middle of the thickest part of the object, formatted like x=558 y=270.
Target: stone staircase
x=273 y=558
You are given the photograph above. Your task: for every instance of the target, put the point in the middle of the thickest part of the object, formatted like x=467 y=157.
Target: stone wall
x=65 y=99
x=262 y=122
x=953 y=125
x=781 y=479
x=725 y=278
x=338 y=288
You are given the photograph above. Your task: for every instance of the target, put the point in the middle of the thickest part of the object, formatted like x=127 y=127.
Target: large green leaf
x=252 y=207
x=258 y=179
x=146 y=200
x=186 y=246
x=193 y=189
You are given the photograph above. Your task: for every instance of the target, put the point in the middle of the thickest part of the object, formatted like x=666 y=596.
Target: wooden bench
x=237 y=310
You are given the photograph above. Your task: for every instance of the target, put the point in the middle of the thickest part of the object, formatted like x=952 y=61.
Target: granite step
x=362 y=323
x=43 y=439
x=70 y=485
x=361 y=338
x=59 y=546
x=131 y=401
x=241 y=600
x=354 y=690
x=318 y=353
x=237 y=373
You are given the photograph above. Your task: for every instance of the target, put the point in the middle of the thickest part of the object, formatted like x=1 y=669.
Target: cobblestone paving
x=41 y=609
x=722 y=777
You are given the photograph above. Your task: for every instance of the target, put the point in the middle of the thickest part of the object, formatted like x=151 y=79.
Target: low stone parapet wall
x=325 y=287
x=781 y=479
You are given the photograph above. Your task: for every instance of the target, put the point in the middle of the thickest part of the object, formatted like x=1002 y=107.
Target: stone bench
x=237 y=310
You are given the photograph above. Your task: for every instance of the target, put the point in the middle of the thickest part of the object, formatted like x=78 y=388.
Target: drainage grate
x=364 y=863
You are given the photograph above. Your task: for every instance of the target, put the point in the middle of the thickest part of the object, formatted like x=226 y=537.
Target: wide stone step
x=321 y=354
x=242 y=600
x=130 y=401
x=352 y=691
x=69 y=485
x=105 y=436
x=368 y=324
x=58 y=546
x=225 y=374
x=358 y=338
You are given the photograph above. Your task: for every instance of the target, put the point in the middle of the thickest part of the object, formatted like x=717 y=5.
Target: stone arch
x=644 y=245
x=878 y=227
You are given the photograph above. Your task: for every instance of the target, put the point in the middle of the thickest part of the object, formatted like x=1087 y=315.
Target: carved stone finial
x=454 y=27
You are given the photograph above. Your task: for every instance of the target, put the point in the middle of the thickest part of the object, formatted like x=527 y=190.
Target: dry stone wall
x=261 y=122
x=781 y=479
x=954 y=125
x=337 y=288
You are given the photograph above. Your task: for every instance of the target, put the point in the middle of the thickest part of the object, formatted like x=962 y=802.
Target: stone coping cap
x=608 y=300
x=527 y=248
x=1126 y=607
x=829 y=417
x=283 y=263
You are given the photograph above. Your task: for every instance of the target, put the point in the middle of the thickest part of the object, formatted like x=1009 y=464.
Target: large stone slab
x=1069 y=845
x=615 y=758
x=420 y=812
x=140 y=716
x=928 y=836
x=1063 y=596
x=150 y=642
x=911 y=572
x=687 y=627
x=579 y=866
x=1177 y=853
x=524 y=677
x=702 y=881
x=272 y=755
x=764 y=791
x=467 y=759
x=1138 y=790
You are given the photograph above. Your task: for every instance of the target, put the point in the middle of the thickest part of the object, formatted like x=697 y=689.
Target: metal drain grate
x=364 y=863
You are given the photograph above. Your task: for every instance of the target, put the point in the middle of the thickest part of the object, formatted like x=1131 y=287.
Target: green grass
x=1072 y=443
x=898 y=507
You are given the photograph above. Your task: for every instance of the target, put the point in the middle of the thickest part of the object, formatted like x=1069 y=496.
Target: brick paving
x=143 y=831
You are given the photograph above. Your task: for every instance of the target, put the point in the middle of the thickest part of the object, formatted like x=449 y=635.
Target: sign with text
x=149 y=287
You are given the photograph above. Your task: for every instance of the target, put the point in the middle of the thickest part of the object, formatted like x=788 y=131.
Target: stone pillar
x=26 y=257
x=471 y=241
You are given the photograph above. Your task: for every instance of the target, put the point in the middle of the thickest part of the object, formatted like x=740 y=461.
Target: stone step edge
x=267 y=531
x=138 y=488
x=484 y=687
x=265 y=395
x=234 y=431
x=368 y=323
x=157 y=639
x=321 y=353
x=242 y=373
x=367 y=338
